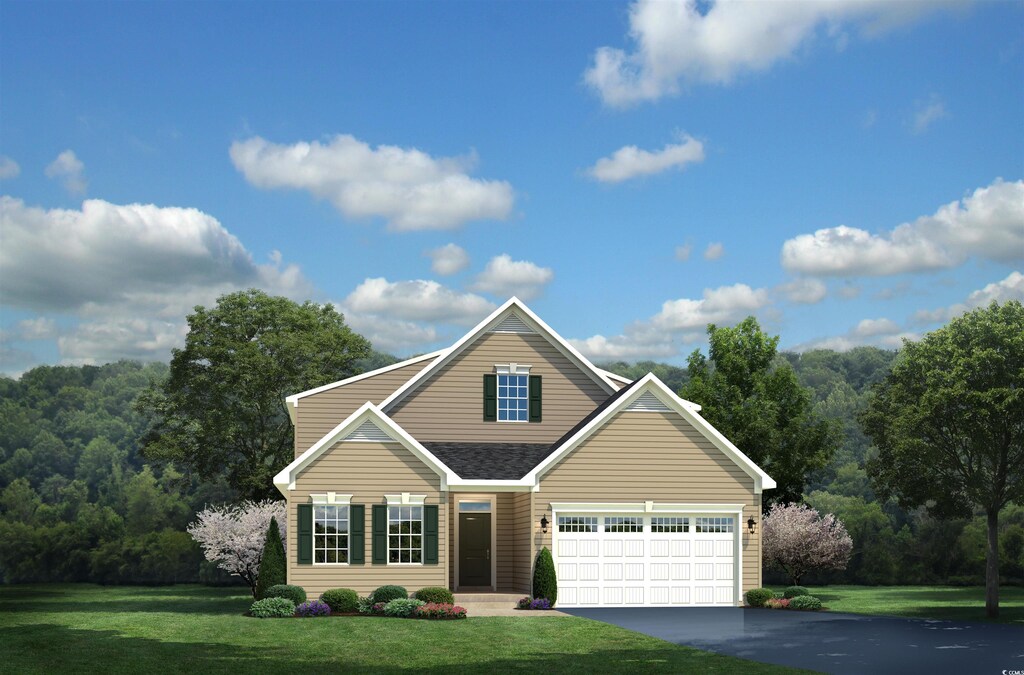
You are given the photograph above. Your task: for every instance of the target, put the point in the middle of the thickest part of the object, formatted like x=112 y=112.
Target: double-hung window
x=330 y=534
x=405 y=534
x=512 y=394
x=513 y=397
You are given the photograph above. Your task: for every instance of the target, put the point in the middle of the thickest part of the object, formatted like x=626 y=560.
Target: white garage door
x=612 y=559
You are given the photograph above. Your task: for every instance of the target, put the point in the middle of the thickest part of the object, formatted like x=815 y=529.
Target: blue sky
x=848 y=172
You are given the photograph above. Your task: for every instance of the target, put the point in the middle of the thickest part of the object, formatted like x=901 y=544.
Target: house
x=456 y=467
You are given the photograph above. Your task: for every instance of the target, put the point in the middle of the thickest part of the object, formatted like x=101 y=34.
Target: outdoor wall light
x=751 y=525
x=544 y=524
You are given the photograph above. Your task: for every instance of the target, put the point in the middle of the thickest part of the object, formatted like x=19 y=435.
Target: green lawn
x=921 y=602
x=86 y=628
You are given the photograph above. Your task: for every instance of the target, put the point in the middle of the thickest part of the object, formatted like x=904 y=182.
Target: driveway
x=829 y=642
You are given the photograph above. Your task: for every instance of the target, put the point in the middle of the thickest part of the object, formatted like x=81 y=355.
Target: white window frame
x=421 y=534
x=348 y=535
x=511 y=370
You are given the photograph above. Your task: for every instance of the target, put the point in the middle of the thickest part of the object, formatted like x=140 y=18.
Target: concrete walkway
x=498 y=604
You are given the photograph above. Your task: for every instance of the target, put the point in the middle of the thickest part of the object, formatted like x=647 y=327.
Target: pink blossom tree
x=233 y=535
x=797 y=539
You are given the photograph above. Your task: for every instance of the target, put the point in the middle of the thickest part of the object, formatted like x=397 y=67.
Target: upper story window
x=512 y=394
x=513 y=399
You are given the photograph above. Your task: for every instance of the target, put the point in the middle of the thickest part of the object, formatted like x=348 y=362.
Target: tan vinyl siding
x=641 y=456
x=449 y=405
x=522 y=523
x=367 y=471
x=317 y=414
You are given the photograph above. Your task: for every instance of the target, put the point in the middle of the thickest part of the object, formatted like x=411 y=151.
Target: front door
x=474 y=549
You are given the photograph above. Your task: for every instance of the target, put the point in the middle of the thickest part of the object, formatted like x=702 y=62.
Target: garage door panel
x=704 y=572
x=613 y=595
x=659 y=595
x=589 y=595
x=704 y=595
x=612 y=548
x=634 y=595
x=567 y=548
x=635 y=572
x=659 y=548
x=681 y=572
x=567 y=571
x=680 y=548
x=613 y=571
x=588 y=548
x=680 y=595
x=704 y=548
x=723 y=571
x=723 y=594
x=634 y=548
x=589 y=572
x=659 y=571
x=723 y=548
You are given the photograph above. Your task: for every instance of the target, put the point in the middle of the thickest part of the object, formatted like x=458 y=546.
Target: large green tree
x=221 y=409
x=948 y=422
x=755 y=400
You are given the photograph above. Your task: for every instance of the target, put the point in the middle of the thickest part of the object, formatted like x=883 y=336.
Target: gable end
x=368 y=431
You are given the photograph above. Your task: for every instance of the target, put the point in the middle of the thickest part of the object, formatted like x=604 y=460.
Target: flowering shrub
x=437 y=610
x=533 y=603
x=233 y=536
x=805 y=602
x=777 y=603
x=402 y=607
x=272 y=608
x=796 y=540
x=313 y=608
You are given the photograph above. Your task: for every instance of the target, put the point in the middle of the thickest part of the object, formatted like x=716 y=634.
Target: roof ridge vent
x=512 y=324
x=648 y=402
x=368 y=431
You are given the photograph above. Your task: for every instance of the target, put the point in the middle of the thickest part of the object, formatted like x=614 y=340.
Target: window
x=577 y=523
x=714 y=525
x=474 y=506
x=513 y=398
x=405 y=534
x=330 y=534
x=670 y=524
x=624 y=524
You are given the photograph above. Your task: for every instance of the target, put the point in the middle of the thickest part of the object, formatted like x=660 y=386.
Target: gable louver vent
x=512 y=324
x=368 y=431
x=648 y=402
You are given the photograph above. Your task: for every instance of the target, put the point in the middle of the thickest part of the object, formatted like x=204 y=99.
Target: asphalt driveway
x=830 y=642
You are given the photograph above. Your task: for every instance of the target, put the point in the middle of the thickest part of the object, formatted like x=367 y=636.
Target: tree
x=796 y=540
x=545 y=583
x=273 y=569
x=948 y=422
x=755 y=400
x=221 y=408
x=233 y=536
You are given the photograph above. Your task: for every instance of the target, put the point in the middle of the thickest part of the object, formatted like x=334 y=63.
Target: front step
x=509 y=599
x=498 y=604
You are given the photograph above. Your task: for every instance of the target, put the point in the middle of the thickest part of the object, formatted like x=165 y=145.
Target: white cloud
x=407 y=187
x=873 y=327
x=449 y=259
x=630 y=161
x=804 y=291
x=39 y=328
x=624 y=348
x=392 y=335
x=416 y=300
x=1010 y=288
x=714 y=251
x=927 y=113
x=8 y=167
x=848 y=291
x=504 y=277
x=683 y=252
x=882 y=332
x=70 y=171
x=988 y=223
x=690 y=41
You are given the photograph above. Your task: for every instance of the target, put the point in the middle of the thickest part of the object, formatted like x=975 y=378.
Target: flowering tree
x=233 y=536
x=797 y=539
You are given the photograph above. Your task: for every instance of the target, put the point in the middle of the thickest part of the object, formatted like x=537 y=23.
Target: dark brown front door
x=474 y=549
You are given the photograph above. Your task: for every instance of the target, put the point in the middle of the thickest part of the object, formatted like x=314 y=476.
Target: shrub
x=776 y=603
x=756 y=597
x=524 y=603
x=341 y=600
x=365 y=605
x=540 y=603
x=294 y=593
x=434 y=610
x=313 y=608
x=805 y=602
x=402 y=607
x=794 y=591
x=437 y=595
x=272 y=569
x=272 y=608
x=386 y=594
x=545 y=584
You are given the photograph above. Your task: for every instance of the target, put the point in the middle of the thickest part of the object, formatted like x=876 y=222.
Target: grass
x=921 y=602
x=194 y=629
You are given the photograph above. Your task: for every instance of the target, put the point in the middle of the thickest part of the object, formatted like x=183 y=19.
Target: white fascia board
x=612 y=376
x=643 y=507
x=293 y=400
x=475 y=485
x=532 y=320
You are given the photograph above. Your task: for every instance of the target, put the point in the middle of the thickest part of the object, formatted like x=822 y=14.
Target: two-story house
x=455 y=468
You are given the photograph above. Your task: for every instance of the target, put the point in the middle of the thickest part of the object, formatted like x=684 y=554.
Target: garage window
x=577 y=523
x=714 y=525
x=623 y=524
x=670 y=524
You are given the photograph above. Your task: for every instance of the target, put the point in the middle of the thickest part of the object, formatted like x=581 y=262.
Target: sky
x=850 y=173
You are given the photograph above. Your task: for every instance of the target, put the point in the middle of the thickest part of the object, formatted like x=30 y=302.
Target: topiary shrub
x=341 y=600
x=437 y=595
x=805 y=602
x=402 y=607
x=313 y=608
x=272 y=608
x=294 y=593
x=756 y=597
x=386 y=594
x=545 y=583
x=272 y=565
x=794 y=591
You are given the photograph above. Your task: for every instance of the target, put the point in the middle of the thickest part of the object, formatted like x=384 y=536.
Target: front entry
x=475 y=549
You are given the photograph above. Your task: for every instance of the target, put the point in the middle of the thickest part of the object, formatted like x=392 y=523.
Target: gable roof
x=490 y=461
x=528 y=318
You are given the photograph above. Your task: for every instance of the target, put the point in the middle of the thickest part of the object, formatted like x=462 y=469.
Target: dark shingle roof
x=593 y=413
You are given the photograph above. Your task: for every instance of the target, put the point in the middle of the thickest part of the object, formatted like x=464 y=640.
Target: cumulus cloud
x=714 y=251
x=392 y=335
x=683 y=252
x=8 y=167
x=505 y=277
x=880 y=332
x=39 y=328
x=1010 y=288
x=405 y=186
x=989 y=223
x=70 y=171
x=449 y=259
x=630 y=161
x=927 y=113
x=416 y=300
x=873 y=327
x=804 y=291
x=706 y=41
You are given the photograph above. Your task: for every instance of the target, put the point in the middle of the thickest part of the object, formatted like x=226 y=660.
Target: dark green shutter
x=430 y=534
x=490 y=398
x=357 y=534
x=535 y=398
x=380 y=534
x=305 y=534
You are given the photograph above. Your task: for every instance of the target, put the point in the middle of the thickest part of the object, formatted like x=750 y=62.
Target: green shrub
x=794 y=591
x=272 y=608
x=756 y=597
x=805 y=602
x=437 y=595
x=272 y=568
x=545 y=583
x=294 y=593
x=341 y=600
x=366 y=605
x=402 y=607
x=388 y=593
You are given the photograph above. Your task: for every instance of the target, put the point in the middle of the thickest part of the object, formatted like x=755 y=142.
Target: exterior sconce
x=544 y=524
x=751 y=525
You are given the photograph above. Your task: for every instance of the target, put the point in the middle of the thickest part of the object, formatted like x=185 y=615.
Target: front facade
x=455 y=468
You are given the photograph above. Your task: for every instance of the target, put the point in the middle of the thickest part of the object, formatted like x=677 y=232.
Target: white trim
x=397 y=502
x=615 y=378
x=405 y=499
x=464 y=497
x=473 y=485
x=650 y=382
x=512 y=369
x=330 y=499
